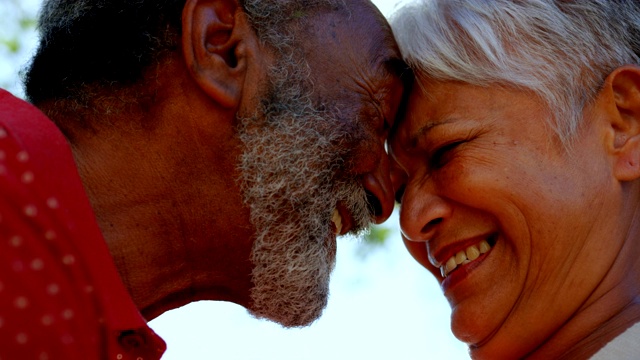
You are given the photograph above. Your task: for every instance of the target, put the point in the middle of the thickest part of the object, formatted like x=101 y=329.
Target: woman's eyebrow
x=415 y=136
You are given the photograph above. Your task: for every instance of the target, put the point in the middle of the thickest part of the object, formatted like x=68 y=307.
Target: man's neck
x=159 y=197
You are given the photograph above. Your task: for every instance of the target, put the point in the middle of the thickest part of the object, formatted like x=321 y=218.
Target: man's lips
x=342 y=220
x=337 y=221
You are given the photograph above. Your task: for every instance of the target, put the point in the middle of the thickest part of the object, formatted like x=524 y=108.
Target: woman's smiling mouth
x=466 y=256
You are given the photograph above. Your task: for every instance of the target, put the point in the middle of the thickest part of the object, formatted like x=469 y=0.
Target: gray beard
x=292 y=156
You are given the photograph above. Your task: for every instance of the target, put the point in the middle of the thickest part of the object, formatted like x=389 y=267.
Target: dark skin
x=165 y=191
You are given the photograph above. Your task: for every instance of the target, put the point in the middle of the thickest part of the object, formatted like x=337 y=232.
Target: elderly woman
x=519 y=171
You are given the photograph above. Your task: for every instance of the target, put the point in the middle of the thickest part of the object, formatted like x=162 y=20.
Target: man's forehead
x=363 y=35
x=353 y=53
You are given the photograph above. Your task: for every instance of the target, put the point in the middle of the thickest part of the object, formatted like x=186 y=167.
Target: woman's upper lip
x=438 y=256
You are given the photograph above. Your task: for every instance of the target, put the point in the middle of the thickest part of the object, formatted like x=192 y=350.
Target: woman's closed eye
x=441 y=156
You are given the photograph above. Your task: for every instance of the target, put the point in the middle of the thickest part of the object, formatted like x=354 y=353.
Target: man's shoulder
x=56 y=273
x=14 y=108
x=31 y=128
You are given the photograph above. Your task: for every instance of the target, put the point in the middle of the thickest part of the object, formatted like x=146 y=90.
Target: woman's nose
x=422 y=211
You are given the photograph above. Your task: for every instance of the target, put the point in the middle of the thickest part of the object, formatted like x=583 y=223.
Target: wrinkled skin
x=480 y=163
x=299 y=164
x=168 y=189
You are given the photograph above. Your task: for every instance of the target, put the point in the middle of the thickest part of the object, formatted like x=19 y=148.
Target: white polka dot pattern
x=56 y=289
x=27 y=259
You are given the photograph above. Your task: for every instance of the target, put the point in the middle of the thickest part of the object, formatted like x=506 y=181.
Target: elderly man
x=211 y=150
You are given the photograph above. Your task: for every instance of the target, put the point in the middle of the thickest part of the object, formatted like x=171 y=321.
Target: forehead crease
x=385 y=63
x=375 y=76
x=401 y=70
x=382 y=49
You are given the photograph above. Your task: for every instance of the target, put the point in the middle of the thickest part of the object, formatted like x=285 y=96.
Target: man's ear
x=213 y=48
x=623 y=89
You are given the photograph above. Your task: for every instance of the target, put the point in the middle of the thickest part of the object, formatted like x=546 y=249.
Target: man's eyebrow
x=398 y=67
x=386 y=53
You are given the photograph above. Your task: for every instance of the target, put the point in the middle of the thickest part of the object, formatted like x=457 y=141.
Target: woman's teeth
x=337 y=221
x=464 y=257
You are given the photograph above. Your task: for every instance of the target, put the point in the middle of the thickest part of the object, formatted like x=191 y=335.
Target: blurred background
x=383 y=305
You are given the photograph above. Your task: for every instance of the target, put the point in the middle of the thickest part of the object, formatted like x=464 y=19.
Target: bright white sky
x=383 y=306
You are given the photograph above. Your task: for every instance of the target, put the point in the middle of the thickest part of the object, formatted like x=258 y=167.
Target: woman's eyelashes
x=441 y=156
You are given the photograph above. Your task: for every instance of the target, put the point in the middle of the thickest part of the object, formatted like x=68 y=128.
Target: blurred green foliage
x=27 y=22
x=17 y=39
x=13 y=45
x=377 y=235
x=374 y=240
x=17 y=18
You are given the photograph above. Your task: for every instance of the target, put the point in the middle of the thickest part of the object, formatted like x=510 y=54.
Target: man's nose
x=377 y=184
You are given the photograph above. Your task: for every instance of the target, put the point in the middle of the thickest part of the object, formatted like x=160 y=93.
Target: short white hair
x=561 y=50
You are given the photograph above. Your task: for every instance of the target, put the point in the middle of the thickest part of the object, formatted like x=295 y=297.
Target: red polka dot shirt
x=60 y=294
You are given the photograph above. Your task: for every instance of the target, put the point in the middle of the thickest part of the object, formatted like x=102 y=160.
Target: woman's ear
x=214 y=49
x=623 y=86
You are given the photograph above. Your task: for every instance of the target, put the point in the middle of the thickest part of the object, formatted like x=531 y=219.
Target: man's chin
x=291 y=279
x=290 y=313
x=295 y=320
